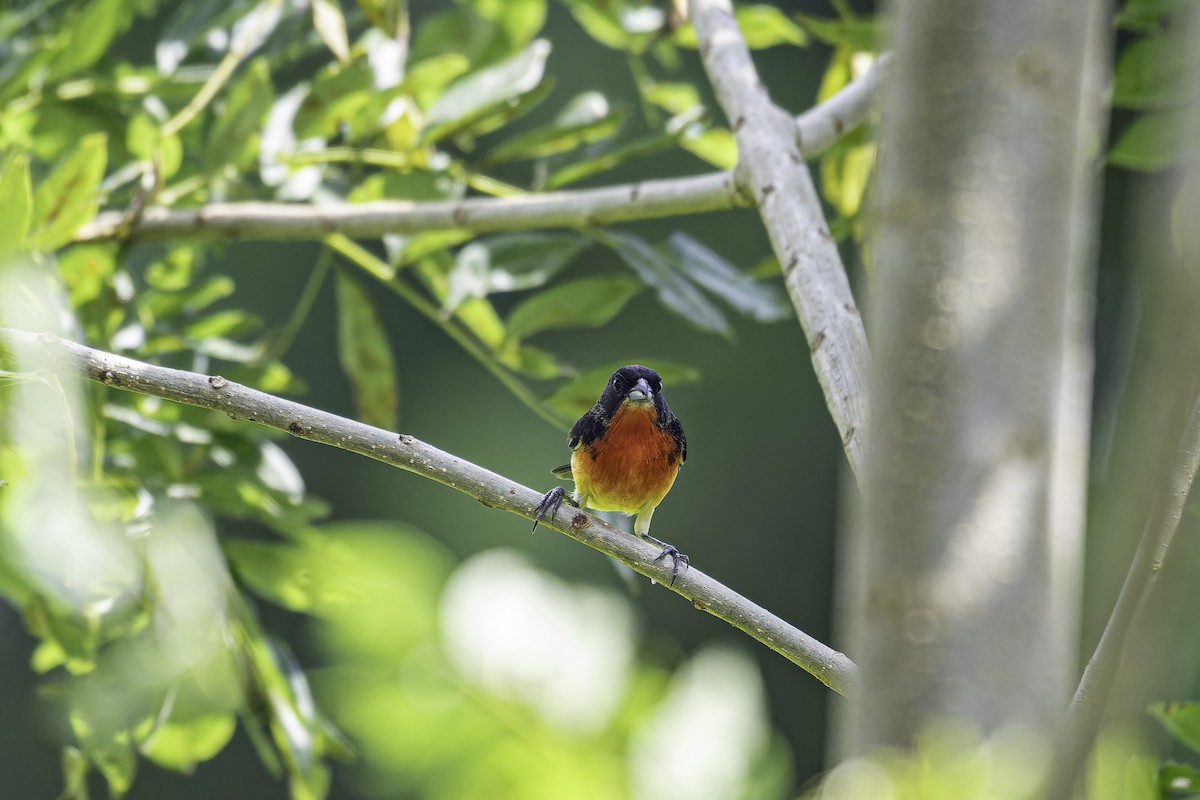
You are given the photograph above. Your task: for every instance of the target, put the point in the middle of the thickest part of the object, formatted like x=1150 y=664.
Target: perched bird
x=626 y=453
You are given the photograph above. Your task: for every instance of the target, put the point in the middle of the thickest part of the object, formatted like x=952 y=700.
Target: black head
x=633 y=384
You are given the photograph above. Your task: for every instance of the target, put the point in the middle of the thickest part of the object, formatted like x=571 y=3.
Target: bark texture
x=961 y=571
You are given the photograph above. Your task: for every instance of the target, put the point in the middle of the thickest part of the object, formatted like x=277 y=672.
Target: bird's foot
x=549 y=505
x=676 y=557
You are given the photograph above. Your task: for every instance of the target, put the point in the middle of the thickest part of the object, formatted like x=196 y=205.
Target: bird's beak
x=641 y=392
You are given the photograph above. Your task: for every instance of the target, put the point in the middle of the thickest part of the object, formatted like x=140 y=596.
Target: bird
x=626 y=452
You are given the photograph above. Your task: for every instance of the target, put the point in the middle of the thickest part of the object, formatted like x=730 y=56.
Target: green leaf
x=642 y=146
x=507 y=263
x=577 y=395
x=91 y=33
x=1146 y=15
x=1154 y=141
x=584 y=303
x=861 y=34
x=762 y=26
x=1155 y=73
x=366 y=355
x=677 y=98
x=600 y=23
x=238 y=130
x=519 y=261
x=226 y=323
x=761 y=301
x=426 y=79
x=715 y=145
x=86 y=270
x=144 y=139
x=181 y=744
x=389 y=16
x=331 y=26
x=1181 y=719
x=518 y=20
x=480 y=94
x=846 y=170
x=674 y=290
x=69 y=197
x=532 y=361
x=585 y=119
x=1174 y=777
x=16 y=198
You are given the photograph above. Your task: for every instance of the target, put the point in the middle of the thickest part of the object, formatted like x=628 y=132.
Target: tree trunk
x=960 y=579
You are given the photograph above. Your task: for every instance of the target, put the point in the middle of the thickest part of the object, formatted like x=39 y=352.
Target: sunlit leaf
x=600 y=23
x=861 y=34
x=715 y=145
x=846 y=171
x=761 y=301
x=585 y=119
x=584 y=303
x=226 y=323
x=529 y=360
x=426 y=79
x=1154 y=141
x=366 y=355
x=91 y=33
x=68 y=197
x=674 y=290
x=390 y=16
x=1181 y=719
x=762 y=26
x=481 y=93
x=518 y=20
x=16 y=198
x=577 y=395
x=180 y=744
x=604 y=161
x=676 y=98
x=86 y=270
x=331 y=26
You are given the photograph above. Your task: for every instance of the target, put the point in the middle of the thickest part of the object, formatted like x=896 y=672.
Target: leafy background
x=378 y=658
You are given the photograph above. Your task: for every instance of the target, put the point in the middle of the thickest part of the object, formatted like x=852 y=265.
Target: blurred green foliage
x=489 y=679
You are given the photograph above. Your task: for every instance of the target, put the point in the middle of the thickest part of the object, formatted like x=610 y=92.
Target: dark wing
x=676 y=431
x=586 y=430
x=562 y=473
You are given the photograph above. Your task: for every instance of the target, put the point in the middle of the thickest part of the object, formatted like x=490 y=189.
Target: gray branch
x=817 y=128
x=1091 y=697
x=772 y=170
x=832 y=668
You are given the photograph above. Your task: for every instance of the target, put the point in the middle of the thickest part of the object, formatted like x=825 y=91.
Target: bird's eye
x=617 y=382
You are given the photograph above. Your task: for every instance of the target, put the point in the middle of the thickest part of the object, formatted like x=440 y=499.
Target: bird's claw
x=676 y=558
x=550 y=503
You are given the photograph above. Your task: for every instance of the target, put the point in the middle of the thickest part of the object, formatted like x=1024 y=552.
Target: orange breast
x=631 y=467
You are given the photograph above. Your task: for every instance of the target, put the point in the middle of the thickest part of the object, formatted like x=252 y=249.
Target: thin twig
x=816 y=128
x=771 y=169
x=1091 y=697
x=832 y=668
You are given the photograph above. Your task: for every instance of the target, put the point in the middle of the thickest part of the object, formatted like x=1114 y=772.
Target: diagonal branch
x=817 y=128
x=1091 y=697
x=832 y=668
x=771 y=169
